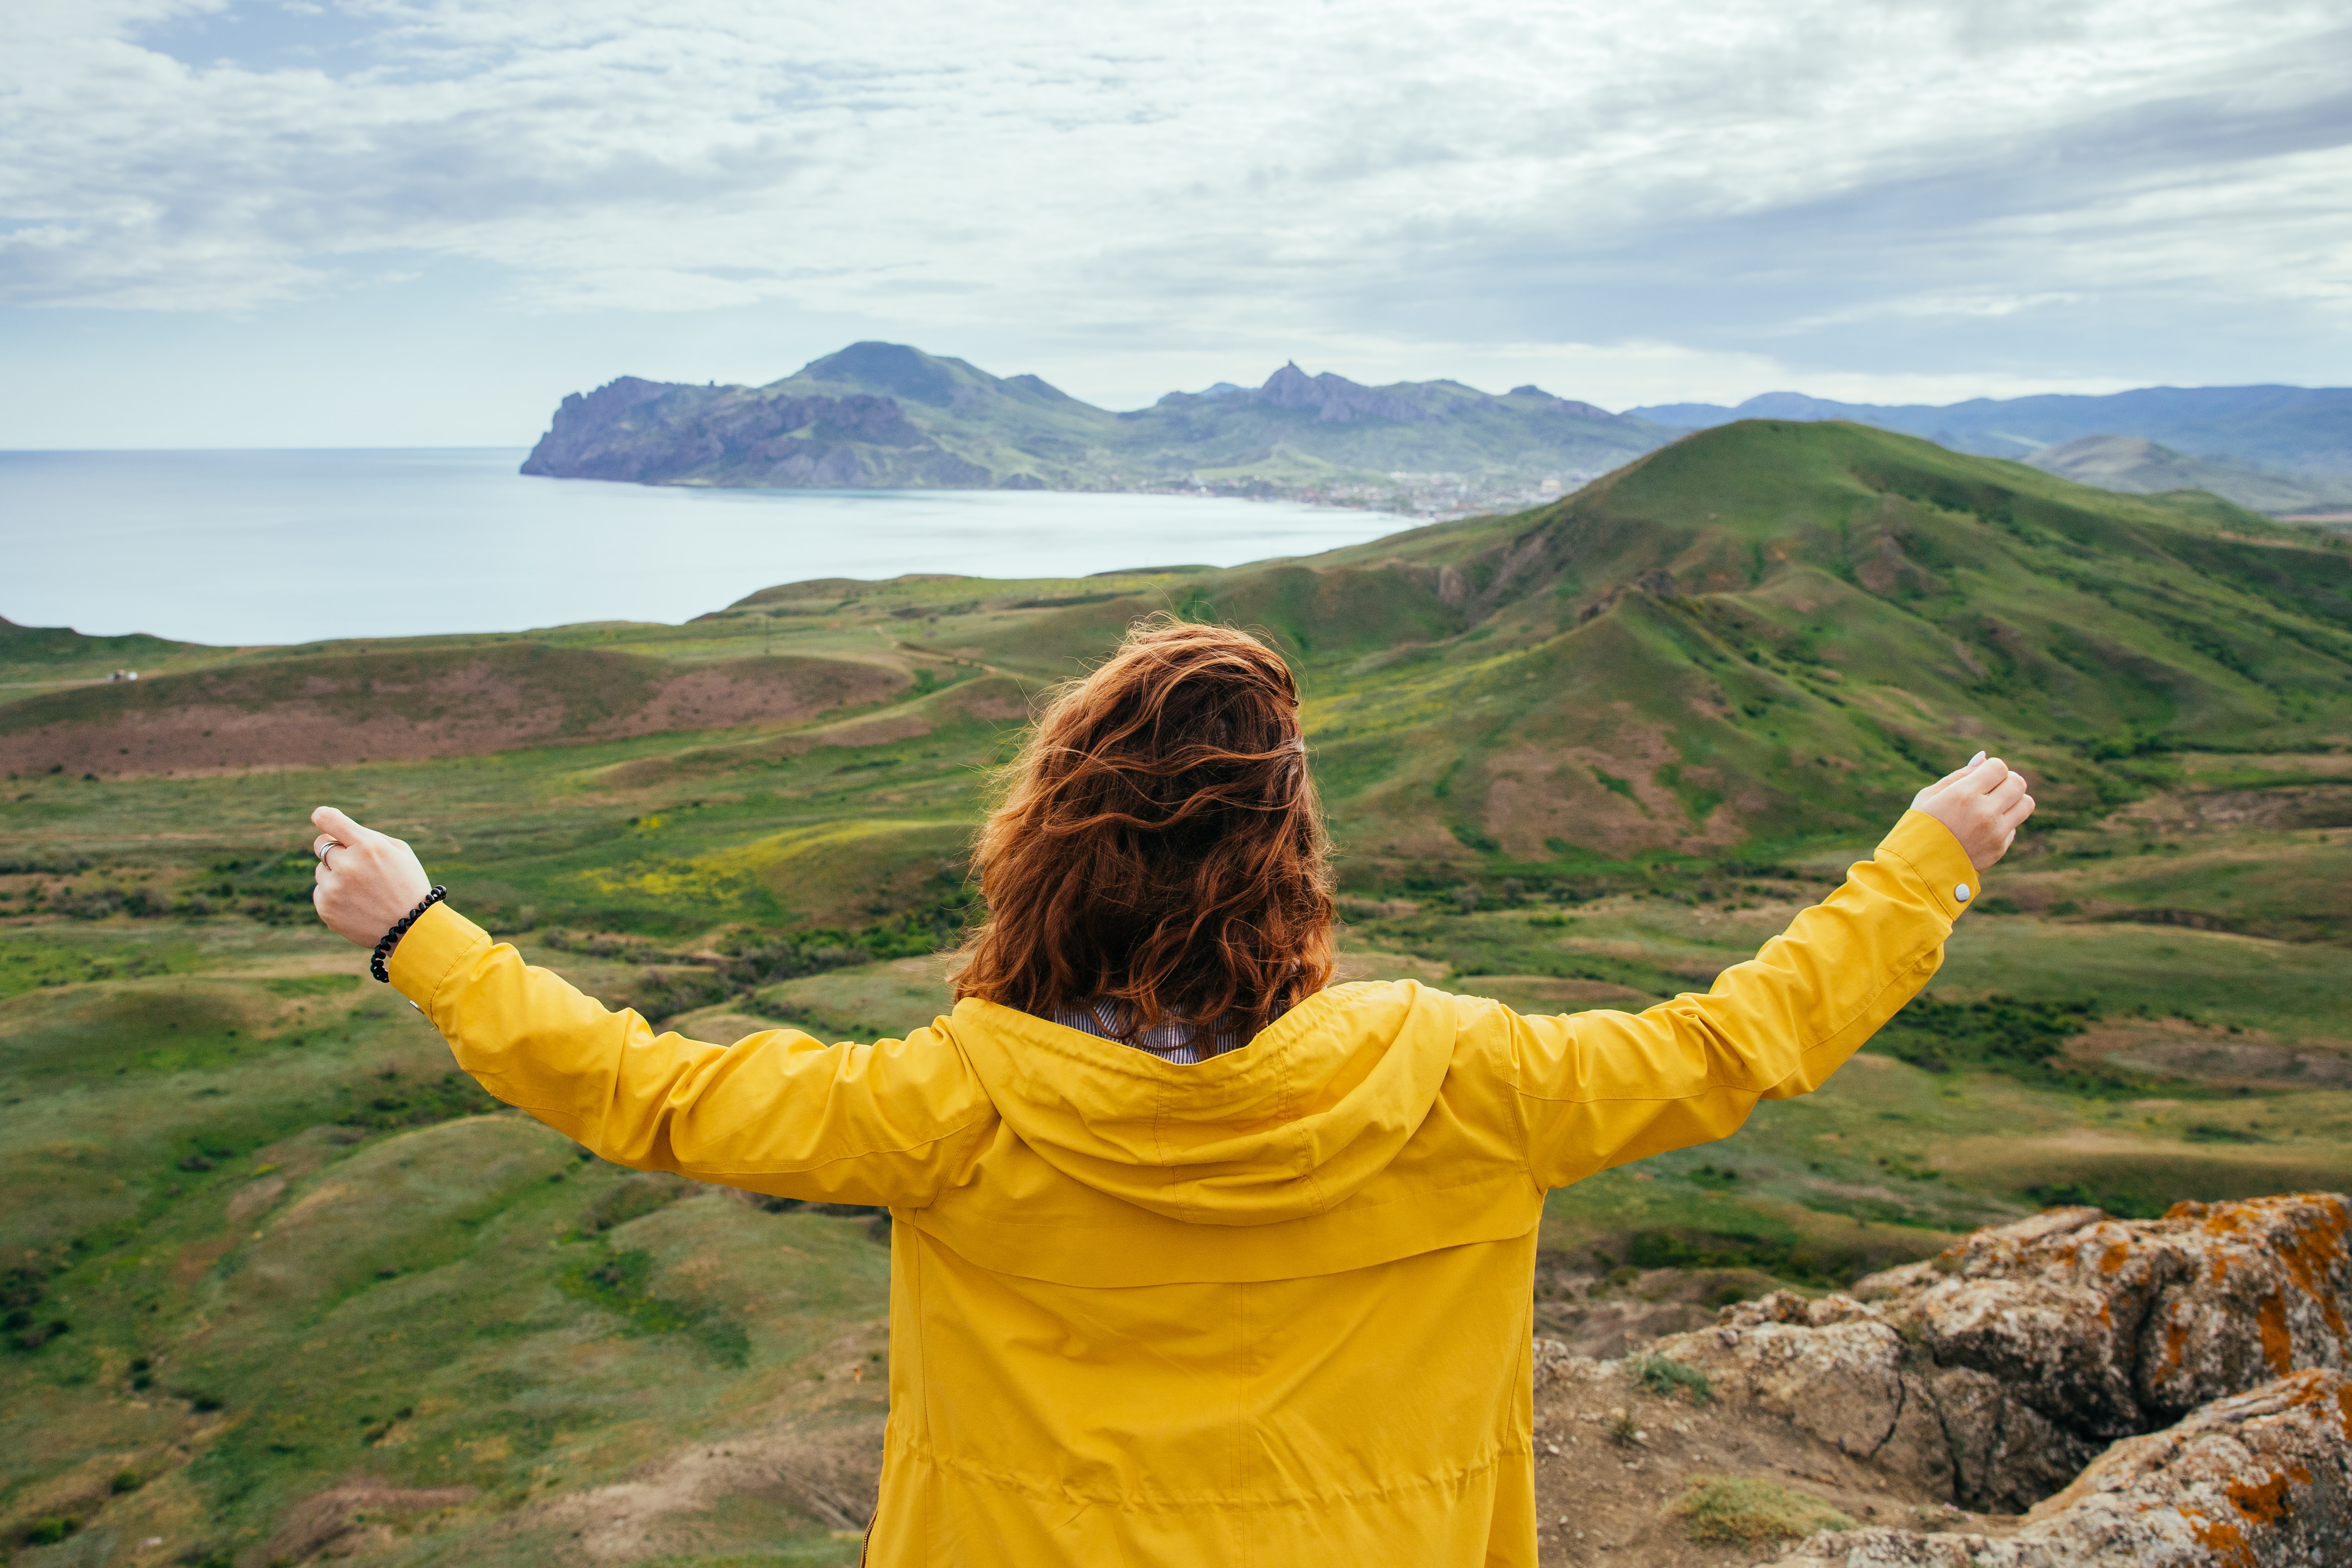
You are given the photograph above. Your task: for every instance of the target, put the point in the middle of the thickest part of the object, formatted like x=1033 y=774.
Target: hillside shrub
x=2024 y=1040
x=443 y=1098
x=620 y=1282
x=2075 y=1195
x=666 y=994
x=1702 y=1249
x=1665 y=1377
x=38 y=865
x=1746 y=1512
x=634 y=1199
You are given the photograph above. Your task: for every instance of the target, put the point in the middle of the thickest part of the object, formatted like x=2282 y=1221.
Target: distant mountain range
x=885 y=415
x=2296 y=431
x=2136 y=466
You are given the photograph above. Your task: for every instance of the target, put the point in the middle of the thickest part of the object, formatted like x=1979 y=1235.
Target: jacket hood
x=1287 y=1126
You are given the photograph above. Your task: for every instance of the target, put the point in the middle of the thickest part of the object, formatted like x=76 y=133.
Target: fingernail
x=1975 y=760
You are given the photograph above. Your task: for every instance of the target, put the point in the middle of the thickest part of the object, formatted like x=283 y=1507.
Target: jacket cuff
x=1927 y=849
x=439 y=941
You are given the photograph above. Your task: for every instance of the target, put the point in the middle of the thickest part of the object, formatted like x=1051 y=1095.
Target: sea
x=266 y=547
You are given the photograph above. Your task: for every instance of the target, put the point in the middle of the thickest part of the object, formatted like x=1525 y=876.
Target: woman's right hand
x=1983 y=804
x=367 y=881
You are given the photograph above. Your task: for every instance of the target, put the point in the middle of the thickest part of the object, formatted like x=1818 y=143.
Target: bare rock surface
x=1993 y=1372
x=2260 y=1480
x=2114 y=1327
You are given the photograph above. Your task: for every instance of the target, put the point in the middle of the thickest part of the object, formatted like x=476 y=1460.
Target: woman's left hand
x=368 y=881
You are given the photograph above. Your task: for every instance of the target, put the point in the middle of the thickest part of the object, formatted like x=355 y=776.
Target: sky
x=320 y=223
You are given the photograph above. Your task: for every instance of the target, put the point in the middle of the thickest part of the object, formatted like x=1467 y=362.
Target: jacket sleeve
x=1597 y=1089
x=777 y=1112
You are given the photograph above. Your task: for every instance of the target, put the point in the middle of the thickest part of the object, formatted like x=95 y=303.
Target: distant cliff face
x=654 y=432
x=884 y=415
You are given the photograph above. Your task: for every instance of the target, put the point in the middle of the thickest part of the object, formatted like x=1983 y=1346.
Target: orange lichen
x=2262 y=1502
x=2314 y=1253
x=2176 y=1343
x=2278 y=1344
x=2116 y=1257
x=2223 y=1539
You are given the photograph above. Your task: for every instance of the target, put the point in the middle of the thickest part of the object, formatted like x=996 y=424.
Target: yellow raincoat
x=1270 y=1309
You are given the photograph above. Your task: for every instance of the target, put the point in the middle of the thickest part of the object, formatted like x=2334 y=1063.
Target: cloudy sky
x=395 y=222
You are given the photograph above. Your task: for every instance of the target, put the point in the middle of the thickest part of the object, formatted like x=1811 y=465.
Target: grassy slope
x=1585 y=755
x=300 y=1248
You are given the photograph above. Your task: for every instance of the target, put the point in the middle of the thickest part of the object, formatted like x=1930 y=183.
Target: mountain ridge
x=2134 y=465
x=2300 y=432
x=881 y=414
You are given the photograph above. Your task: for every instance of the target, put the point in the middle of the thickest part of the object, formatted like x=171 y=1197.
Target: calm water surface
x=281 y=547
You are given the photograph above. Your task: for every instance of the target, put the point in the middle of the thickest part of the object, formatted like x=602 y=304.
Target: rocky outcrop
x=1334 y=399
x=2001 y=1367
x=2260 y=1480
x=651 y=432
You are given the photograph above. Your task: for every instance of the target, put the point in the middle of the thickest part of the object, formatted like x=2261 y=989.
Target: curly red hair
x=1159 y=844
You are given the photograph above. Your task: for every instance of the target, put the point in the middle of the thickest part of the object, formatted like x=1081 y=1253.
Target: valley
x=278 y=1283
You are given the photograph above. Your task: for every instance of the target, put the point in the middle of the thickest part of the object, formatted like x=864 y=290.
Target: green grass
x=1672 y=1379
x=1751 y=1513
x=198 y=1212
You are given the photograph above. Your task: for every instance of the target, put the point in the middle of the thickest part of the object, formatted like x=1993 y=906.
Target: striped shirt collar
x=1181 y=1041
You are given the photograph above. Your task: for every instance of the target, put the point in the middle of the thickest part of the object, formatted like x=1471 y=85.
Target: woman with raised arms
x=1198 y=1259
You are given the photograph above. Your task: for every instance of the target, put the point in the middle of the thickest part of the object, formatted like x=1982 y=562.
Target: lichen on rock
x=2259 y=1479
x=1995 y=1371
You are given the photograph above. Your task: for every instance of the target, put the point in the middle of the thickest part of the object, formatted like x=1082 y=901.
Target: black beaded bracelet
x=392 y=938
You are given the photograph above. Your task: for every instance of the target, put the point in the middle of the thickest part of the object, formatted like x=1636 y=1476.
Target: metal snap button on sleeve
x=1962 y=892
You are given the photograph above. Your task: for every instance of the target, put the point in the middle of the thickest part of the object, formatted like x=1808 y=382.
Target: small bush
x=633 y=1198
x=2072 y=1195
x=2024 y=1040
x=1663 y=1377
x=125 y=1481
x=50 y=1532
x=1751 y=1512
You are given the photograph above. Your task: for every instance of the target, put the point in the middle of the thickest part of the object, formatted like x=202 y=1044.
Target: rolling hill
x=280 y=1284
x=883 y=415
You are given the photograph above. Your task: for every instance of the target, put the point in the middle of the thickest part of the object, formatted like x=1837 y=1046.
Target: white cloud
x=1758 y=183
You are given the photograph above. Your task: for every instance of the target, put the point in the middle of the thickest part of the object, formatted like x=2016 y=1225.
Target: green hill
x=883 y=415
x=1766 y=632
x=277 y=1282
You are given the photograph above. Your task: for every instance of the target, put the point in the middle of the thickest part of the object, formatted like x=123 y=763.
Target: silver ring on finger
x=324 y=850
